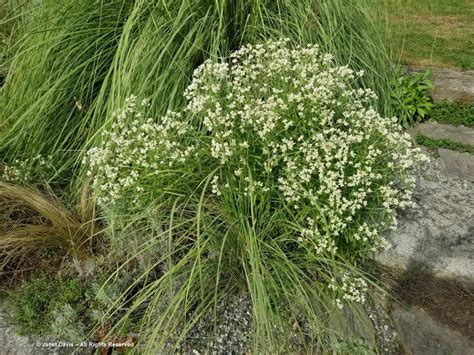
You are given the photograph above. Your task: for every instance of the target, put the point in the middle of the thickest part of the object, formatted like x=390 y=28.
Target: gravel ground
x=232 y=334
x=235 y=330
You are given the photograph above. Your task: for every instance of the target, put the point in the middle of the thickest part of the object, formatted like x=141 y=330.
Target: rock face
x=439 y=231
x=436 y=236
x=433 y=129
x=452 y=163
x=458 y=164
x=451 y=84
x=422 y=335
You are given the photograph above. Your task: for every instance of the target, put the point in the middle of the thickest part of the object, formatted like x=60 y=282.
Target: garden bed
x=193 y=176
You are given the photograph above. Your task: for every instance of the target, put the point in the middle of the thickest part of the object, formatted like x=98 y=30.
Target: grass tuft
x=32 y=223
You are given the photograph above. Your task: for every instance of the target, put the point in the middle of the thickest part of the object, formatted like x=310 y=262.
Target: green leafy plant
x=411 y=96
x=66 y=304
x=357 y=346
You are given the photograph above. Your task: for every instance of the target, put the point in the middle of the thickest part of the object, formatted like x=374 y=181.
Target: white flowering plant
x=275 y=122
x=285 y=160
x=28 y=171
x=137 y=151
x=348 y=288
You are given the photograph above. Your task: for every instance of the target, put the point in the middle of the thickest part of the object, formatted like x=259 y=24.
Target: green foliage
x=434 y=144
x=47 y=304
x=411 y=96
x=76 y=61
x=67 y=323
x=31 y=171
x=357 y=346
x=12 y=16
x=454 y=113
x=67 y=305
x=64 y=53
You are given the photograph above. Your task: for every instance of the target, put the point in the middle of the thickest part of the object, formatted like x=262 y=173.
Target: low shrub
x=46 y=305
x=277 y=178
x=68 y=305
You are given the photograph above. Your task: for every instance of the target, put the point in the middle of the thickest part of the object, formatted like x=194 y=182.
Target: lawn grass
x=436 y=33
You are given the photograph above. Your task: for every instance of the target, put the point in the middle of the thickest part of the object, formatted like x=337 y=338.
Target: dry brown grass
x=36 y=225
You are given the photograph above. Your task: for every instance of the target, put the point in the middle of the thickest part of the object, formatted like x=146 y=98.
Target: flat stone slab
x=459 y=165
x=421 y=335
x=435 y=130
x=451 y=84
x=439 y=231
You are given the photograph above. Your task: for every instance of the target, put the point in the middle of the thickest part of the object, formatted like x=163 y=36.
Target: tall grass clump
x=184 y=34
x=77 y=61
x=13 y=13
x=61 y=60
x=276 y=179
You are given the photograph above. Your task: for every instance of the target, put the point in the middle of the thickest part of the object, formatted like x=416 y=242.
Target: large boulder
x=439 y=231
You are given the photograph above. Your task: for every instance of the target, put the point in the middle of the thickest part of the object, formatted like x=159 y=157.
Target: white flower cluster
x=277 y=121
x=135 y=147
x=323 y=243
x=352 y=289
x=24 y=170
x=295 y=121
